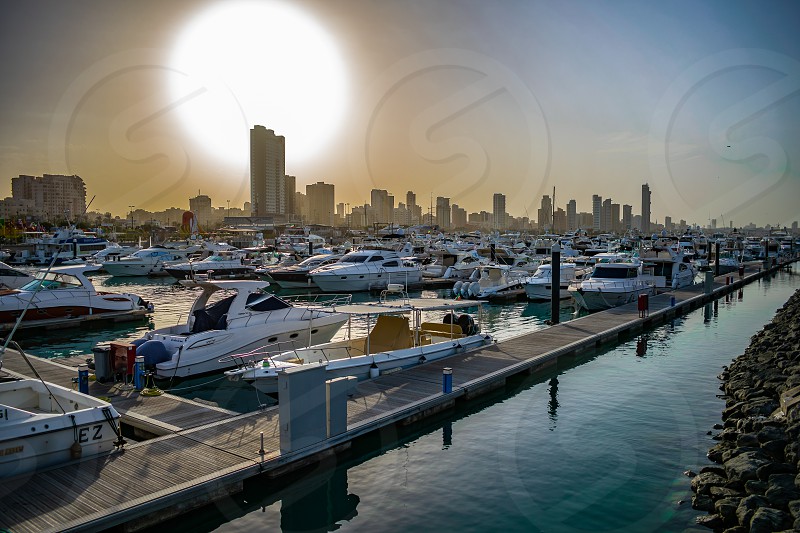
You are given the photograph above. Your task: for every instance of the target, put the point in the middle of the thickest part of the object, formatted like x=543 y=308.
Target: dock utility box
x=123 y=356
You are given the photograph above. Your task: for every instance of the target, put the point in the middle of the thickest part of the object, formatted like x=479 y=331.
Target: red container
x=124 y=356
x=643 y=302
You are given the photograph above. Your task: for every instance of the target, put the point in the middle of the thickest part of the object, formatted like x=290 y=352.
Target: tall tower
x=499 y=210
x=645 y=208
x=267 y=172
x=320 y=203
x=572 y=215
x=597 y=204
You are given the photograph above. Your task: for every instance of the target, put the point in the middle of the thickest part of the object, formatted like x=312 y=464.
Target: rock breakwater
x=754 y=484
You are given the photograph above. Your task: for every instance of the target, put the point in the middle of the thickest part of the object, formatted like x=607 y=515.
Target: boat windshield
x=353 y=258
x=609 y=272
x=52 y=280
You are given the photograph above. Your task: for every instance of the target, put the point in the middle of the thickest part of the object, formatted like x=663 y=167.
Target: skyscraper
x=499 y=211
x=267 y=172
x=320 y=203
x=443 y=212
x=572 y=215
x=597 y=205
x=545 y=214
x=645 y=208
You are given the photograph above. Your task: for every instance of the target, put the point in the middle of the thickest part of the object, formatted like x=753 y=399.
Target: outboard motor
x=457 y=287
x=154 y=352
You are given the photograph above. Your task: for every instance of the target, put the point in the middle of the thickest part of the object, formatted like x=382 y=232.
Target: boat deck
x=206 y=452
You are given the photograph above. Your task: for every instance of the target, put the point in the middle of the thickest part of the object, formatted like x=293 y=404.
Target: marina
x=225 y=447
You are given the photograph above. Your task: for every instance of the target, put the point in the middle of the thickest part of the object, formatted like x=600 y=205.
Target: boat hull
x=600 y=300
x=360 y=366
x=366 y=281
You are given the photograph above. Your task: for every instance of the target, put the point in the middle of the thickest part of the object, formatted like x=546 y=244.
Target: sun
x=243 y=63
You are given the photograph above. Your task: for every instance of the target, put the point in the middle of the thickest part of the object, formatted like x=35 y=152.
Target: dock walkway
x=205 y=452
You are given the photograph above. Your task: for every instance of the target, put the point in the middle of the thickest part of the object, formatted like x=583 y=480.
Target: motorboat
x=297 y=275
x=43 y=424
x=449 y=265
x=12 y=278
x=61 y=245
x=615 y=280
x=539 y=286
x=152 y=261
x=491 y=282
x=366 y=270
x=402 y=336
x=223 y=264
x=240 y=318
x=667 y=267
x=64 y=293
x=727 y=261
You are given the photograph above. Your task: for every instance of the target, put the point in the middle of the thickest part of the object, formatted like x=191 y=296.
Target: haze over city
x=151 y=102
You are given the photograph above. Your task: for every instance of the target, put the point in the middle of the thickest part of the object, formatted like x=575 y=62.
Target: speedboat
x=296 y=276
x=11 y=278
x=152 y=261
x=392 y=343
x=43 y=424
x=539 y=286
x=64 y=293
x=667 y=267
x=366 y=270
x=223 y=264
x=241 y=318
x=491 y=281
x=615 y=280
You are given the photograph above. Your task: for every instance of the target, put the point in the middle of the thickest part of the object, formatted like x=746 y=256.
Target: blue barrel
x=83 y=379
x=447 y=380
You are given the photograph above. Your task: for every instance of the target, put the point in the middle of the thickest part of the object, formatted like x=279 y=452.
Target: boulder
x=747 y=440
x=726 y=509
x=702 y=502
x=744 y=466
x=756 y=487
x=767 y=520
x=781 y=490
x=747 y=507
x=769 y=469
x=711 y=521
x=702 y=483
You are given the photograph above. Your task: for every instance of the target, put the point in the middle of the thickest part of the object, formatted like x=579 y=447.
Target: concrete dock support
x=302 y=407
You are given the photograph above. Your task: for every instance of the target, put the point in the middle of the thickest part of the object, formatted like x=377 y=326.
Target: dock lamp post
x=555 y=283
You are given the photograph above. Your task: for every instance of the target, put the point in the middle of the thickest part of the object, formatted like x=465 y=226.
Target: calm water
x=600 y=446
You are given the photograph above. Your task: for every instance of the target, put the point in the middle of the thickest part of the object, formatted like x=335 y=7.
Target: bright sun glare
x=243 y=63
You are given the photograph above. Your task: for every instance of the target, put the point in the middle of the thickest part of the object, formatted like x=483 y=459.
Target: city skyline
x=456 y=100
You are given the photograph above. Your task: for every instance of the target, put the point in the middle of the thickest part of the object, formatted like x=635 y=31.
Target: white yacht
x=152 y=261
x=667 y=267
x=492 y=282
x=366 y=270
x=235 y=323
x=223 y=264
x=297 y=275
x=539 y=286
x=393 y=342
x=615 y=280
x=64 y=293
x=43 y=424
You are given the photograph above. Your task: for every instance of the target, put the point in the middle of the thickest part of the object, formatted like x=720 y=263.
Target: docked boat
x=394 y=342
x=152 y=261
x=449 y=265
x=539 y=286
x=223 y=264
x=241 y=318
x=615 y=280
x=297 y=275
x=667 y=267
x=12 y=278
x=61 y=245
x=492 y=282
x=43 y=424
x=366 y=270
x=65 y=295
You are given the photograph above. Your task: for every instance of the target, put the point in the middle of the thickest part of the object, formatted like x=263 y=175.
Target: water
x=599 y=446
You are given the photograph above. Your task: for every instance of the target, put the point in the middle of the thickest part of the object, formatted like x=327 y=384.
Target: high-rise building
x=616 y=227
x=382 y=205
x=559 y=221
x=499 y=211
x=627 y=217
x=572 y=215
x=597 y=206
x=414 y=211
x=320 y=203
x=545 y=213
x=53 y=197
x=645 y=209
x=267 y=172
x=290 y=187
x=605 y=215
x=443 y=212
x=459 y=217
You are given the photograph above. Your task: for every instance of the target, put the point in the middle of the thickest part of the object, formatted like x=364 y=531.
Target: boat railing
x=269 y=351
x=318 y=301
x=608 y=284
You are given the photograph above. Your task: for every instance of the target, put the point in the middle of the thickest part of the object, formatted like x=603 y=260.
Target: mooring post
x=555 y=283
x=447 y=380
x=716 y=258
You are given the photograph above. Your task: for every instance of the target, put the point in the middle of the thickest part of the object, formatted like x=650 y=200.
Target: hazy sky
x=151 y=102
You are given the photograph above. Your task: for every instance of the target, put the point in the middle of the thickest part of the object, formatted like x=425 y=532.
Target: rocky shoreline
x=754 y=485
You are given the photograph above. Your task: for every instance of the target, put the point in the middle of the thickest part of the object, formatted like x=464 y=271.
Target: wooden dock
x=203 y=453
